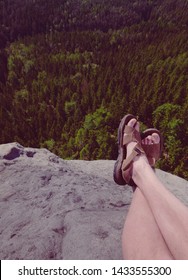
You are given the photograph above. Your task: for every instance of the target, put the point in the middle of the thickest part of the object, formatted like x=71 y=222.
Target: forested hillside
x=69 y=71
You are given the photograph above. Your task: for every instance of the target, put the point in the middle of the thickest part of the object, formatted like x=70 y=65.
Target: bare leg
x=170 y=214
x=141 y=238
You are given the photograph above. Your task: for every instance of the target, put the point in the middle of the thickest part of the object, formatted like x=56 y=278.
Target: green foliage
x=93 y=139
x=22 y=95
x=168 y=118
x=48 y=144
x=84 y=152
x=70 y=107
x=70 y=70
x=20 y=63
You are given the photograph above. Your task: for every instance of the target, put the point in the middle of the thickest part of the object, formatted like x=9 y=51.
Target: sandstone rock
x=56 y=209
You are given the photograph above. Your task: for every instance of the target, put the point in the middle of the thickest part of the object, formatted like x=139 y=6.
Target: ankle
x=140 y=166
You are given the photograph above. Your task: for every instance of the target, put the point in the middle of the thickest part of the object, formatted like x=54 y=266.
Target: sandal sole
x=117 y=174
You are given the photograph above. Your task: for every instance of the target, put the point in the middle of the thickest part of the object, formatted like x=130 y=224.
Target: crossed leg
x=156 y=226
x=170 y=214
x=141 y=238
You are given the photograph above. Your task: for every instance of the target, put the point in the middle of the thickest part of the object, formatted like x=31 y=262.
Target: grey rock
x=11 y=151
x=56 y=209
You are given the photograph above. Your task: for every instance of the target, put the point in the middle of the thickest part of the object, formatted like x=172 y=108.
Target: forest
x=71 y=69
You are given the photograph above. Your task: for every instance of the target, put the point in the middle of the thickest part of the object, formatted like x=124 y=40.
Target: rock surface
x=56 y=209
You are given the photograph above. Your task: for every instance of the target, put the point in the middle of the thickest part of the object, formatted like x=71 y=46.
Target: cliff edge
x=57 y=209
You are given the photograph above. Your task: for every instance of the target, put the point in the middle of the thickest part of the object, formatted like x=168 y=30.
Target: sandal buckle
x=139 y=151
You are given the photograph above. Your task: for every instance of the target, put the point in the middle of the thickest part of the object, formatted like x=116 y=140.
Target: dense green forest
x=71 y=69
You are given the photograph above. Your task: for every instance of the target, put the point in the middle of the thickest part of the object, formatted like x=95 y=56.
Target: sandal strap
x=137 y=150
x=131 y=134
x=152 y=150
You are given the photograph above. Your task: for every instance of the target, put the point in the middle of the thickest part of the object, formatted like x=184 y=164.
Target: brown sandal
x=123 y=165
x=152 y=151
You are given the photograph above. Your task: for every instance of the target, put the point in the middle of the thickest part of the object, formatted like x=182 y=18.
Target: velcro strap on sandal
x=137 y=150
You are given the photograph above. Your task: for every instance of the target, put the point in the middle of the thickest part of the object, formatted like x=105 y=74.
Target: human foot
x=134 y=151
x=129 y=146
x=152 y=144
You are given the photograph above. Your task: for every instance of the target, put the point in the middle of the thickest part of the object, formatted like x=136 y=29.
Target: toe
x=149 y=140
x=132 y=122
x=144 y=141
x=155 y=138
